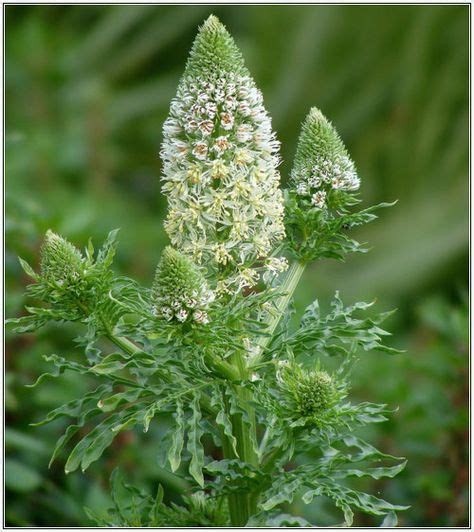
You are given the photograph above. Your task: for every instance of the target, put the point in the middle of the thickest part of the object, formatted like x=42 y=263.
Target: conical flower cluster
x=220 y=160
x=61 y=261
x=322 y=164
x=179 y=290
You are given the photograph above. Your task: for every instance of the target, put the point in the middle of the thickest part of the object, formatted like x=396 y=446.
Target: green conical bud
x=61 y=262
x=214 y=51
x=322 y=164
x=179 y=290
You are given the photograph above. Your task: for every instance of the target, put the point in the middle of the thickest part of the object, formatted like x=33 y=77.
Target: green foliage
x=340 y=332
x=310 y=395
x=159 y=369
x=135 y=508
x=71 y=287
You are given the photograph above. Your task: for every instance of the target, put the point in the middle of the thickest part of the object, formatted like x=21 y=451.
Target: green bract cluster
x=253 y=419
x=179 y=291
x=61 y=262
x=308 y=395
x=71 y=286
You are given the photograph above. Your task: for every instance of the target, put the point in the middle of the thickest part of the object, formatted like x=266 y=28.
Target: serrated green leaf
x=223 y=419
x=91 y=447
x=110 y=364
x=237 y=406
x=374 y=472
x=390 y=520
x=75 y=407
x=177 y=441
x=194 y=441
x=109 y=404
x=156 y=505
x=26 y=324
x=62 y=442
x=277 y=520
x=281 y=492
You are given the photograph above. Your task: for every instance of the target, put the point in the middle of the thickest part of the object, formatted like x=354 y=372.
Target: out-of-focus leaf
x=20 y=477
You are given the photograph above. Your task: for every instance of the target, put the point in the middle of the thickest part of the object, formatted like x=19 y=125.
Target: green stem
x=242 y=505
x=124 y=343
x=287 y=288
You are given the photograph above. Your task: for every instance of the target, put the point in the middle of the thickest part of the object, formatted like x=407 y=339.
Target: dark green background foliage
x=88 y=88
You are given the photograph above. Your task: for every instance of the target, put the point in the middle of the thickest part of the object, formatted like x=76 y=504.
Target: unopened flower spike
x=180 y=292
x=322 y=189
x=61 y=261
x=309 y=395
x=220 y=159
x=322 y=164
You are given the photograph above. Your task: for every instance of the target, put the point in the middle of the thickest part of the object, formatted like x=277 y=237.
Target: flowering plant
x=209 y=343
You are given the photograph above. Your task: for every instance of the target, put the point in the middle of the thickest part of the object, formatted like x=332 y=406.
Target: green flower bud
x=61 y=261
x=322 y=164
x=179 y=290
x=315 y=393
x=214 y=50
x=309 y=395
x=321 y=190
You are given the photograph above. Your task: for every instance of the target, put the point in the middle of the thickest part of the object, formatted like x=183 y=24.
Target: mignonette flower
x=179 y=290
x=322 y=164
x=61 y=261
x=218 y=141
x=277 y=264
x=318 y=199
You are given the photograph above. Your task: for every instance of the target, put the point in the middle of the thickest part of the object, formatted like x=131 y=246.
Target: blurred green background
x=87 y=90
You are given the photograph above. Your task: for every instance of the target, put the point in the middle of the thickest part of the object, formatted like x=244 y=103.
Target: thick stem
x=287 y=288
x=176 y=483
x=124 y=343
x=242 y=505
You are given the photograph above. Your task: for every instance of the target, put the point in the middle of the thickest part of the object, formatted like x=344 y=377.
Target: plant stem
x=287 y=288
x=242 y=505
x=176 y=483
x=124 y=343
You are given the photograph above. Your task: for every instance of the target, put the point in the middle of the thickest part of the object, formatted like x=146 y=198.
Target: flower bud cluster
x=322 y=164
x=61 y=262
x=314 y=393
x=308 y=395
x=220 y=159
x=180 y=292
x=74 y=284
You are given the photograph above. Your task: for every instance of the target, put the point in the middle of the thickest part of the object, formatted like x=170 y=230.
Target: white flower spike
x=220 y=160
